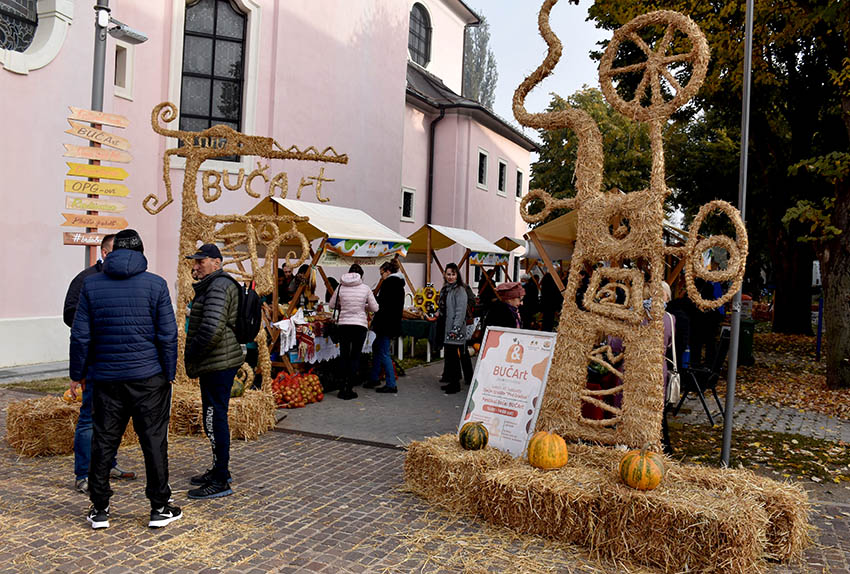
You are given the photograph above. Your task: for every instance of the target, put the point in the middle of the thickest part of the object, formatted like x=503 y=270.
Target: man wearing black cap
x=213 y=355
x=124 y=340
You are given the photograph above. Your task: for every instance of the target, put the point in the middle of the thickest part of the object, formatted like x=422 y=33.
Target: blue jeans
x=381 y=358
x=215 y=400
x=82 y=437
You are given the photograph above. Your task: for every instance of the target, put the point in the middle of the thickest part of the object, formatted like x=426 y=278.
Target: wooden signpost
x=96 y=171
x=97 y=136
x=94 y=221
x=102 y=118
x=90 y=239
x=92 y=187
x=92 y=204
x=98 y=153
x=96 y=188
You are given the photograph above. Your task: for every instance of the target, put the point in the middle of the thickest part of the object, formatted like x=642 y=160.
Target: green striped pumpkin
x=473 y=436
x=547 y=451
x=642 y=469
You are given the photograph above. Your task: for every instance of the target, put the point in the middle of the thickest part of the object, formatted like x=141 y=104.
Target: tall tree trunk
x=793 y=302
x=835 y=264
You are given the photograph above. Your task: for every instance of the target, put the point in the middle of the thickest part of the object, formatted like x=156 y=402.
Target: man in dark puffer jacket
x=214 y=356
x=124 y=339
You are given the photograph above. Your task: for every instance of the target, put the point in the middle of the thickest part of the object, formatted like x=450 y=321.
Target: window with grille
x=18 y=21
x=502 y=184
x=407 y=203
x=519 y=184
x=213 y=66
x=419 y=40
x=482 y=168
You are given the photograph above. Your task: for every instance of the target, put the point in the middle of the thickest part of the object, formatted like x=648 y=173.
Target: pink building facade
x=333 y=73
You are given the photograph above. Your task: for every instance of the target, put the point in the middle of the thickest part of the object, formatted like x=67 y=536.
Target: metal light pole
x=101 y=24
x=742 y=206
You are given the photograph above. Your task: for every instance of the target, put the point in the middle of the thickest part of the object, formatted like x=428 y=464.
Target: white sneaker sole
x=164 y=521
x=95 y=524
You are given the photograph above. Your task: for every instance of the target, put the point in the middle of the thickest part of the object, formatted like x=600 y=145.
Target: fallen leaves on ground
x=788 y=455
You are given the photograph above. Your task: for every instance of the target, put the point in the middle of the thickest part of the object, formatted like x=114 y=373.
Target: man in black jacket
x=83 y=430
x=387 y=325
x=124 y=345
x=213 y=355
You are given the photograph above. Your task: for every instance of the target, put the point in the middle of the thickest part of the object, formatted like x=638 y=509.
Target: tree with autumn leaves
x=798 y=204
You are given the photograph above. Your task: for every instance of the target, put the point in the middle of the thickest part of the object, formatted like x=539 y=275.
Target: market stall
x=337 y=236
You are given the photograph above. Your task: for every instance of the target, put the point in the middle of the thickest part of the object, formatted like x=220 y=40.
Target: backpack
x=249 y=314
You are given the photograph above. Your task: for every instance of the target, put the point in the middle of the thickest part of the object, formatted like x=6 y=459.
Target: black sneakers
x=202 y=479
x=386 y=389
x=98 y=518
x=165 y=515
x=211 y=490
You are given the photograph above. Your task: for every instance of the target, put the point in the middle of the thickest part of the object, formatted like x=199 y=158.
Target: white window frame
x=54 y=19
x=126 y=91
x=478 y=168
x=412 y=193
x=519 y=173
x=502 y=162
x=249 y=90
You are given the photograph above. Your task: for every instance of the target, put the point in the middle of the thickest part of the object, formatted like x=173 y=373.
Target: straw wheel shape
x=642 y=469
x=547 y=451
x=666 y=93
x=473 y=436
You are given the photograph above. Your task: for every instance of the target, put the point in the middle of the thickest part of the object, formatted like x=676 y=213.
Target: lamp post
x=101 y=28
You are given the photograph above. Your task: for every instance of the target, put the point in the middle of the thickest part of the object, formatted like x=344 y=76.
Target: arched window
x=213 y=65
x=18 y=22
x=419 y=40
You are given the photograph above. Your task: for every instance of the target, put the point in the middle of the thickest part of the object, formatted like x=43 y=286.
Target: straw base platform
x=45 y=426
x=249 y=416
x=700 y=519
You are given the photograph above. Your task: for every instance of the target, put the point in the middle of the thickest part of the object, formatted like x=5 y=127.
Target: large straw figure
x=619 y=252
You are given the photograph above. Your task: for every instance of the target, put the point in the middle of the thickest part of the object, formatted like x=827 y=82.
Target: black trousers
x=215 y=402
x=351 y=338
x=457 y=360
x=148 y=403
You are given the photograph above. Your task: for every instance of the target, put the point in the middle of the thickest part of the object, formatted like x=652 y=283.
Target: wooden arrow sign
x=98 y=171
x=96 y=188
x=98 y=221
x=98 y=153
x=98 y=136
x=98 y=117
x=74 y=238
x=92 y=204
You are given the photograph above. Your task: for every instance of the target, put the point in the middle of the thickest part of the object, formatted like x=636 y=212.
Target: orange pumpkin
x=547 y=451
x=642 y=469
x=69 y=399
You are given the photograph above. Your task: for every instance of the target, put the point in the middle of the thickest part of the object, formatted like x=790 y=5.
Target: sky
x=519 y=49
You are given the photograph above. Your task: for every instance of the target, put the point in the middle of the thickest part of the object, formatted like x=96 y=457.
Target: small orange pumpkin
x=69 y=399
x=547 y=450
x=642 y=469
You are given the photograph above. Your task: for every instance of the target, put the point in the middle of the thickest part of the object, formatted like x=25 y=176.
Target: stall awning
x=482 y=252
x=350 y=232
x=556 y=236
x=509 y=243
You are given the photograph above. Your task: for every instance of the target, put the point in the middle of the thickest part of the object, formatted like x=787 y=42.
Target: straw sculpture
x=619 y=250
x=45 y=426
x=699 y=519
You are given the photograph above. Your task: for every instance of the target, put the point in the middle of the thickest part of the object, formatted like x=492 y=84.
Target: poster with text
x=508 y=385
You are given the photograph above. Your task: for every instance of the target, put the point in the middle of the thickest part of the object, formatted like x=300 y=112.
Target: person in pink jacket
x=354 y=298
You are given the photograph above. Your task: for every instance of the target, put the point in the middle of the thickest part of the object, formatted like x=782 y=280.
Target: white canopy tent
x=430 y=238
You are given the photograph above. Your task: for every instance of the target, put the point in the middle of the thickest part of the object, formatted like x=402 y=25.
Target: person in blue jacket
x=124 y=346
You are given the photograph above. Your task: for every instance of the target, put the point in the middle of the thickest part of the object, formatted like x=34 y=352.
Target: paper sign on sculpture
x=612 y=317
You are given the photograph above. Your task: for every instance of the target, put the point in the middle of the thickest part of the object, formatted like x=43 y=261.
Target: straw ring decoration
x=655 y=66
x=549 y=205
x=737 y=250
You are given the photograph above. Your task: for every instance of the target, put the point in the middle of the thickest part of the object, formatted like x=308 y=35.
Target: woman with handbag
x=353 y=298
x=452 y=307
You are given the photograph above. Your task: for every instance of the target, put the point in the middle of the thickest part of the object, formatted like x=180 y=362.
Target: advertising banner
x=365 y=248
x=508 y=385
x=483 y=258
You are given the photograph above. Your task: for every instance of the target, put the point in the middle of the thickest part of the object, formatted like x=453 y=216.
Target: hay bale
x=439 y=470
x=700 y=518
x=677 y=527
x=249 y=416
x=45 y=426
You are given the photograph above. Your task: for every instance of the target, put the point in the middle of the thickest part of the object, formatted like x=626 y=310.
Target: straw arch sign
x=618 y=261
x=268 y=231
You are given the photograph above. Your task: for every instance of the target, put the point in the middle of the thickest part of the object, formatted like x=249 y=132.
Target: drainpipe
x=430 y=190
